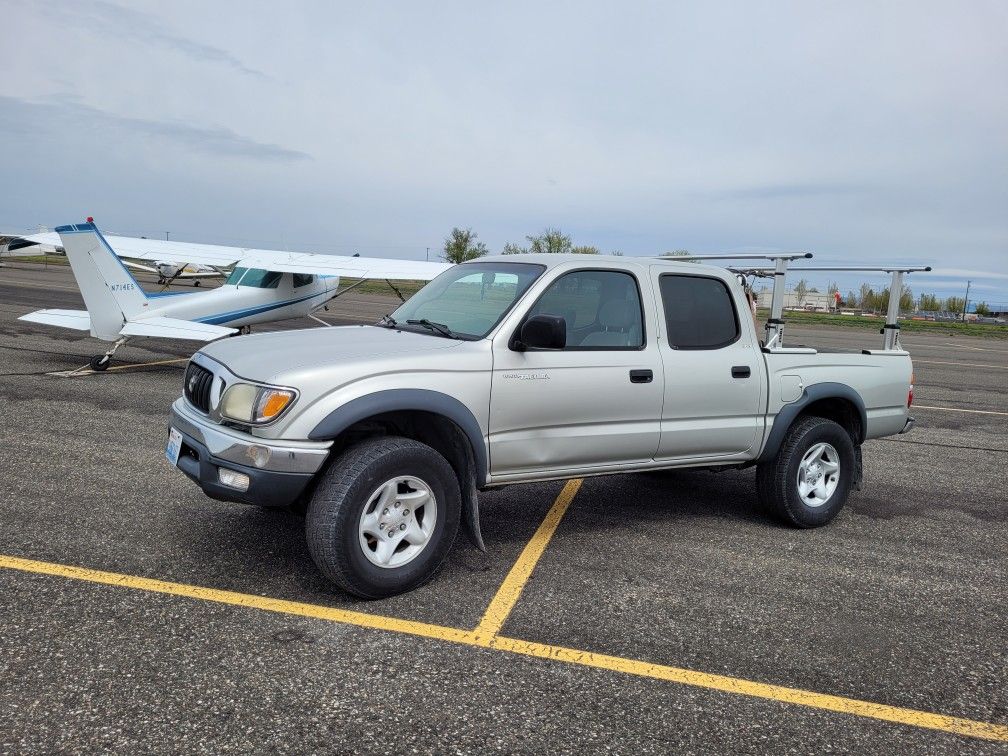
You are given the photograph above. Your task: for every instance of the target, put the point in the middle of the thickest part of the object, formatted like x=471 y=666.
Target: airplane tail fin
x=110 y=292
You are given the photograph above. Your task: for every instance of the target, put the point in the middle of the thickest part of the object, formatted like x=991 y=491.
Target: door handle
x=641 y=376
x=740 y=371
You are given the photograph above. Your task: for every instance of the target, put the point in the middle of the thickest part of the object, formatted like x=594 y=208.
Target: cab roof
x=616 y=262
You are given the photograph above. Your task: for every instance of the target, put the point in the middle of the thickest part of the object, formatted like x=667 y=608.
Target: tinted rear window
x=699 y=312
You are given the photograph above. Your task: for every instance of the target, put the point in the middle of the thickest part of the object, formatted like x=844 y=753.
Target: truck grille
x=197 y=386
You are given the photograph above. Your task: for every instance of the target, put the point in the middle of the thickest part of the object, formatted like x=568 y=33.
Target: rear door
x=596 y=402
x=714 y=385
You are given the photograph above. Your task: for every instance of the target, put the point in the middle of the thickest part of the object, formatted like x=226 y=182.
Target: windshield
x=260 y=279
x=469 y=299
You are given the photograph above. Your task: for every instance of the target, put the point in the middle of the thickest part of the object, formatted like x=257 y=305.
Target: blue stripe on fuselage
x=226 y=317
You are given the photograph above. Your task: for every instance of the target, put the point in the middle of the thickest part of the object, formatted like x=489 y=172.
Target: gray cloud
x=862 y=131
x=139 y=28
x=24 y=118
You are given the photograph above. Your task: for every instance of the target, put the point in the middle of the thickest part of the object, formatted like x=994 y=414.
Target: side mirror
x=543 y=332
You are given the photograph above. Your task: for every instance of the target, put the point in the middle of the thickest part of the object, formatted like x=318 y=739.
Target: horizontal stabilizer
x=79 y=320
x=175 y=328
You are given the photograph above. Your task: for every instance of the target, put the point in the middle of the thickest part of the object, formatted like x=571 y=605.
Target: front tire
x=100 y=362
x=808 y=482
x=384 y=517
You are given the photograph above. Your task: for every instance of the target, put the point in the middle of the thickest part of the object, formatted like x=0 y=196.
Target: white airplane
x=265 y=285
x=170 y=271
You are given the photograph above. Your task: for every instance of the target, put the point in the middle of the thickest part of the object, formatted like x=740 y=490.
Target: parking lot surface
x=645 y=613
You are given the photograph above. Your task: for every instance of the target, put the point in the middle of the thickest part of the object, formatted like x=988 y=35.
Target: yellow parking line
x=956 y=409
x=248 y=601
x=500 y=607
x=736 y=685
x=739 y=686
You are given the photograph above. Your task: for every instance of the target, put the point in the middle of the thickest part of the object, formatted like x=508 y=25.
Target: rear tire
x=361 y=500
x=808 y=482
x=100 y=362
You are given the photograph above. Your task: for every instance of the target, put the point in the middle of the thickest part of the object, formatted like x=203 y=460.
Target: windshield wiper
x=438 y=327
x=387 y=321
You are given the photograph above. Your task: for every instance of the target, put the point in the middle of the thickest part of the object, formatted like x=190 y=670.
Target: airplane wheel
x=100 y=362
x=196 y=283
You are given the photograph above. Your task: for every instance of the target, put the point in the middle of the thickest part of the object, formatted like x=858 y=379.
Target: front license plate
x=171 y=451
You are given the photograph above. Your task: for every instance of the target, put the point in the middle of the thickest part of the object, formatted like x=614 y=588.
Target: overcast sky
x=862 y=132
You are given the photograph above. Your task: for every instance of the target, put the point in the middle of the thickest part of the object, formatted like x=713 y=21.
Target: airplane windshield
x=468 y=299
x=255 y=277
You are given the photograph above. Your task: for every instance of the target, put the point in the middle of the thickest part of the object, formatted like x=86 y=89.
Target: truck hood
x=263 y=357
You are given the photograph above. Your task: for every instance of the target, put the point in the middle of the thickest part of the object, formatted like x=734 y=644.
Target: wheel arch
x=834 y=401
x=438 y=420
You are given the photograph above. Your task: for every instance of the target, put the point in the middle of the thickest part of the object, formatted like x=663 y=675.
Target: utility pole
x=966 y=302
x=166 y=236
x=428 y=254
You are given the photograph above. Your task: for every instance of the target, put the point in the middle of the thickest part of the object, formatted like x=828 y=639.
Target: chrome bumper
x=242 y=449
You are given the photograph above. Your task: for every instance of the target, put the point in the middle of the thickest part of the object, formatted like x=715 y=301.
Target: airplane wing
x=269 y=259
x=138 y=266
x=184 y=274
x=175 y=328
x=79 y=320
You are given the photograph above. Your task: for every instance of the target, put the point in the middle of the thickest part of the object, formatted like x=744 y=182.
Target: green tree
x=584 y=249
x=850 y=300
x=513 y=249
x=955 y=304
x=551 y=241
x=929 y=303
x=616 y=253
x=461 y=245
x=906 y=300
x=982 y=309
x=866 y=297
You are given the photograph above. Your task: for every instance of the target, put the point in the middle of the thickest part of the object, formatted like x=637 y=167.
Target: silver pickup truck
x=513 y=369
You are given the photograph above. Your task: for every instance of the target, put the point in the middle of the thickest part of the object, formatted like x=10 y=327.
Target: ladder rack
x=775 y=323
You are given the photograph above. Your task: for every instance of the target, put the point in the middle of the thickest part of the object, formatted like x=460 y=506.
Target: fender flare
x=814 y=393
x=423 y=400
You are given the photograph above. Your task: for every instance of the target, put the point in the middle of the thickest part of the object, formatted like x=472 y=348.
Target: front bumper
x=277 y=481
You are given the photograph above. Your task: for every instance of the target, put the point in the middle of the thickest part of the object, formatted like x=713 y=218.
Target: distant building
x=816 y=301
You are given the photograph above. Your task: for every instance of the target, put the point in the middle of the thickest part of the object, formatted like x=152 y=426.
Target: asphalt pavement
x=899 y=602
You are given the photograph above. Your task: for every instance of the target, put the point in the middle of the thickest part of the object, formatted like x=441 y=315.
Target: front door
x=598 y=400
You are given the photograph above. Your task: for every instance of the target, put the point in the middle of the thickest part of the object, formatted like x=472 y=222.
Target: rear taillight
x=910 y=394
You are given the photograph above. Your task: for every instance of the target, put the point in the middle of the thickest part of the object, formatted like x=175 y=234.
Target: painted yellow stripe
x=245 y=600
x=954 y=725
x=838 y=704
x=956 y=409
x=507 y=595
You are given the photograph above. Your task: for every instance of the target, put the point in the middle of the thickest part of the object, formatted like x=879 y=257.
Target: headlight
x=247 y=403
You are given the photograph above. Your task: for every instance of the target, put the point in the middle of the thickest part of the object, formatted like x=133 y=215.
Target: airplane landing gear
x=100 y=362
x=196 y=282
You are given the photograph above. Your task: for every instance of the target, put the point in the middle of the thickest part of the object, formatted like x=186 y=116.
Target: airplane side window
x=236 y=275
x=302 y=279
